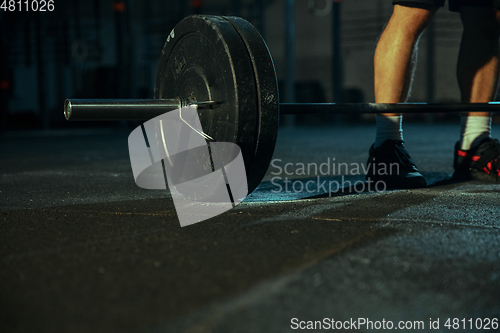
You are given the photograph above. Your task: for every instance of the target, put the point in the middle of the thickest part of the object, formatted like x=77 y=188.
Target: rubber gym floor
x=83 y=249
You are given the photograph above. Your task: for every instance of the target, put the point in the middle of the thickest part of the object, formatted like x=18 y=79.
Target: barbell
x=223 y=66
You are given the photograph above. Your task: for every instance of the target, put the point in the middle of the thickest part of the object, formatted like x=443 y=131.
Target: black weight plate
x=267 y=94
x=204 y=57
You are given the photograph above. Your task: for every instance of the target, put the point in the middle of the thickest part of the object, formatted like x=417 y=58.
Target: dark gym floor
x=83 y=249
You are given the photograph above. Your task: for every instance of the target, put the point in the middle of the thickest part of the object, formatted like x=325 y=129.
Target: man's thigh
x=454 y=4
x=420 y=3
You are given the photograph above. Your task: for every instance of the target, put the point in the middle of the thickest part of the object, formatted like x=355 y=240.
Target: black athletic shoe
x=391 y=163
x=480 y=163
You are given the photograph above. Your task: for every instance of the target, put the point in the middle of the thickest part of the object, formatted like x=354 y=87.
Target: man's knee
x=412 y=20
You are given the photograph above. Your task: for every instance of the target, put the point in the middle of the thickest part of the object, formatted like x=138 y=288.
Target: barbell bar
x=144 y=109
x=222 y=65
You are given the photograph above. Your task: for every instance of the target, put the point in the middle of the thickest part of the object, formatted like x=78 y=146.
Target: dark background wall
x=109 y=49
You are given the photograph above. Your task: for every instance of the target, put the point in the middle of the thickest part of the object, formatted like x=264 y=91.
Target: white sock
x=388 y=128
x=474 y=129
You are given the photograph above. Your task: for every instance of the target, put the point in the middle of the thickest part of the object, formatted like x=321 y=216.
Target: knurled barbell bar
x=143 y=109
x=223 y=66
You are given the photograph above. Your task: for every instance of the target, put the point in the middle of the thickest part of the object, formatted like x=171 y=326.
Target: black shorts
x=454 y=4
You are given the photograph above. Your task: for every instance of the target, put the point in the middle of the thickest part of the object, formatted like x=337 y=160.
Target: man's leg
x=394 y=62
x=477 y=68
x=395 y=54
x=477 y=74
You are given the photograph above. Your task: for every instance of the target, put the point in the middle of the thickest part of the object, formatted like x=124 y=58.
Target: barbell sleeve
x=118 y=109
x=127 y=109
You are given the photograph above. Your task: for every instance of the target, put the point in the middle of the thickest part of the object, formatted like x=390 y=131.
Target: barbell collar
x=363 y=108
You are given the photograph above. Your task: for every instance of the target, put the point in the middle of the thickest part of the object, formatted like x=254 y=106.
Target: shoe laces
x=402 y=155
